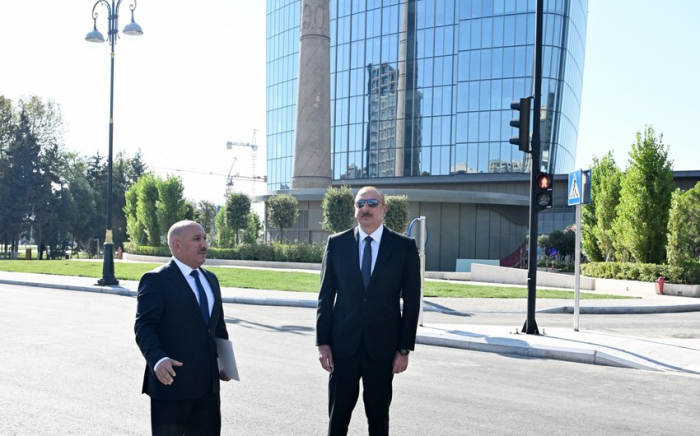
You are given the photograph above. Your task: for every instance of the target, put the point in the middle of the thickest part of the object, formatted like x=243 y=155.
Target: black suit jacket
x=348 y=313
x=169 y=324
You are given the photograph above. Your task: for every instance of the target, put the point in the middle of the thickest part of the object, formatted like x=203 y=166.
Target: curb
x=427 y=306
x=507 y=347
x=262 y=301
x=96 y=289
x=622 y=310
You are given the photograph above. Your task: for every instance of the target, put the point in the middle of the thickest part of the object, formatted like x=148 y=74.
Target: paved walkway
x=584 y=346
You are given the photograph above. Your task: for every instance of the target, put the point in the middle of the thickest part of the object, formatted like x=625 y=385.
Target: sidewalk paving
x=584 y=346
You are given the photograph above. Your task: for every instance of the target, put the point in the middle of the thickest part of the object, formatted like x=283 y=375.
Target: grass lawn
x=277 y=280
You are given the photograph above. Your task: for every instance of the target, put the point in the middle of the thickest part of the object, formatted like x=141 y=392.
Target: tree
x=684 y=227
x=545 y=243
x=282 y=212
x=564 y=241
x=56 y=229
x=45 y=123
x=589 y=243
x=96 y=173
x=598 y=235
x=171 y=206
x=125 y=172
x=253 y=229
x=7 y=123
x=53 y=199
x=83 y=216
x=32 y=167
x=7 y=126
x=237 y=210
x=191 y=210
x=21 y=179
x=120 y=185
x=205 y=215
x=224 y=234
x=645 y=199
x=134 y=227
x=338 y=209
x=45 y=120
x=147 y=197
x=397 y=213
x=137 y=167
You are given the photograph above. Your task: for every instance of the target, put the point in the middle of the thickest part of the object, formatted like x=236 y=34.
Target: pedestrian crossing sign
x=579 y=187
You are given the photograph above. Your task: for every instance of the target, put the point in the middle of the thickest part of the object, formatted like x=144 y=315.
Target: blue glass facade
x=423 y=88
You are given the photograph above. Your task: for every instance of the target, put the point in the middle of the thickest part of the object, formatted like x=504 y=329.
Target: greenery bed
x=276 y=280
x=645 y=272
x=305 y=253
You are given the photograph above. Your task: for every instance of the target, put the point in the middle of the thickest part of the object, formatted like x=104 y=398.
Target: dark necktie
x=203 y=301
x=367 y=261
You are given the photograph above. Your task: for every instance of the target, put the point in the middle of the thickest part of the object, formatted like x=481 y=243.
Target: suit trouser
x=198 y=417
x=344 y=389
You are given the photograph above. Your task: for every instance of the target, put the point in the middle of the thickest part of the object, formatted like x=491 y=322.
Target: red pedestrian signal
x=543 y=191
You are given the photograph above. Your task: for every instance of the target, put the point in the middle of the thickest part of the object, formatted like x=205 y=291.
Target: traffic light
x=543 y=191
x=522 y=123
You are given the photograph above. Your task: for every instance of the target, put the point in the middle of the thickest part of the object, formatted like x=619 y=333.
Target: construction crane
x=253 y=157
x=231 y=177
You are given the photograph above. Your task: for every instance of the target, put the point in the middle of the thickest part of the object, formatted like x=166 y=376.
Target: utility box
x=28 y=254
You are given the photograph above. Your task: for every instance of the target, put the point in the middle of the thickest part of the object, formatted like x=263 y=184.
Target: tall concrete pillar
x=312 y=147
x=405 y=99
x=401 y=93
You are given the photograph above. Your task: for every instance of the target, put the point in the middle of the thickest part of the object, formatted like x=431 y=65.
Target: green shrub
x=146 y=250
x=304 y=253
x=688 y=273
x=277 y=252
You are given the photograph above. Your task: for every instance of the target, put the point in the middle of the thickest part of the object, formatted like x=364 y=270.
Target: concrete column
x=312 y=148
x=401 y=93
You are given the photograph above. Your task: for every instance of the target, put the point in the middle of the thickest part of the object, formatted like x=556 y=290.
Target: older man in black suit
x=361 y=332
x=179 y=315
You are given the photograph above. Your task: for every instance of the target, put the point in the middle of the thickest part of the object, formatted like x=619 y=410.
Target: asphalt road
x=69 y=366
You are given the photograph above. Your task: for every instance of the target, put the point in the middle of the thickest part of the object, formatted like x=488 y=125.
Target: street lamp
x=95 y=36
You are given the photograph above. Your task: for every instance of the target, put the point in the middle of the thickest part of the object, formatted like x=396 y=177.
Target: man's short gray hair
x=177 y=228
x=371 y=188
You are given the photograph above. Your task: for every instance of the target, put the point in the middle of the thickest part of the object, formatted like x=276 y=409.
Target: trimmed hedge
x=145 y=250
x=689 y=273
x=274 y=252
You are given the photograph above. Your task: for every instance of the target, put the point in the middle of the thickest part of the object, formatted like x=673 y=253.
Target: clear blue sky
x=642 y=68
x=196 y=79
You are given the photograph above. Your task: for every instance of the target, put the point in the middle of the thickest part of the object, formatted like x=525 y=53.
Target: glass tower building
x=422 y=88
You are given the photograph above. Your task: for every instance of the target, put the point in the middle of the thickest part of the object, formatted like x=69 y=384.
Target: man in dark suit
x=178 y=316
x=360 y=330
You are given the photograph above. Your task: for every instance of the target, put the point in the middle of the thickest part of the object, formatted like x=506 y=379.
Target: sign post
x=422 y=243
x=579 y=193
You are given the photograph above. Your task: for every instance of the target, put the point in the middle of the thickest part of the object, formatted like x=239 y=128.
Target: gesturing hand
x=166 y=372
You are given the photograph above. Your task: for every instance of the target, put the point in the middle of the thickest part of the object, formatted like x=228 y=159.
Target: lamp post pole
x=132 y=28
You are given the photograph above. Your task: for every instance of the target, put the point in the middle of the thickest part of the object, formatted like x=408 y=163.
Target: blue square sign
x=579 y=187
x=575 y=191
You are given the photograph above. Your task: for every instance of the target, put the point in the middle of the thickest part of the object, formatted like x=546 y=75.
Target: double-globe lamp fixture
x=132 y=29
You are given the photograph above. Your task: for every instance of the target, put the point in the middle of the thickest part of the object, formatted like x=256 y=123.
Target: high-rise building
x=420 y=95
